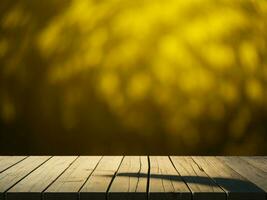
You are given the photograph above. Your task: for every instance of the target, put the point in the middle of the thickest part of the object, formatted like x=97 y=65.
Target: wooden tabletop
x=133 y=177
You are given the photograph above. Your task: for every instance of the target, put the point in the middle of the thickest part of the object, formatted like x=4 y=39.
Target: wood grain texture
x=8 y=161
x=67 y=186
x=32 y=186
x=133 y=177
x=235 y=185
x=99 y=182
x=250 y=172
x=164 y=181
x=130 y=181
x=17 y=172
x=201 y=185
x=257 y=161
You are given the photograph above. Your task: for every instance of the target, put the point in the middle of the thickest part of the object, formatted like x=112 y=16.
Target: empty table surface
x=133 y=177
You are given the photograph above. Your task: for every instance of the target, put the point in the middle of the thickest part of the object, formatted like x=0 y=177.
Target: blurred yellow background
x=133 y=77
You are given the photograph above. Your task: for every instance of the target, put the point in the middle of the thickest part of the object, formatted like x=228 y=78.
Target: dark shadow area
x=231 y=185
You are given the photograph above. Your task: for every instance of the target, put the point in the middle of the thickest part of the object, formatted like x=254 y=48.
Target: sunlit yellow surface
x=189 y=75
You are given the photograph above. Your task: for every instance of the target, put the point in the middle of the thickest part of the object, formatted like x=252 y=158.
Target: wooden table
x=133 y=177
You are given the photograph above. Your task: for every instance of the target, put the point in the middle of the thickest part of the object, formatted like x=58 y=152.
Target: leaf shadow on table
x=228 y=184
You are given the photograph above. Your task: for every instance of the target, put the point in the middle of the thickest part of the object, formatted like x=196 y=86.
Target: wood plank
x=8 y=161
x=67 y=186
x=235 y=185
x=98 y=183
x=257 y=161
x=164 y=181
x=131 y=179
x=253 y=174
x=201 y=185
x=32 y=186
x=14 y=174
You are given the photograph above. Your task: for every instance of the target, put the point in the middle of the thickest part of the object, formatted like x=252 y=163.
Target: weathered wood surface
x=133 y=177
x=69 y=183
x=33 y=185
x=8 y=161
x=235 y=185
x=97 y=185
x=130 y=181
x=164 y=180
x=201 y=185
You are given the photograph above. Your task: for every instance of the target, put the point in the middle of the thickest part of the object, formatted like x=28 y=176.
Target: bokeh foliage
x=133 y=76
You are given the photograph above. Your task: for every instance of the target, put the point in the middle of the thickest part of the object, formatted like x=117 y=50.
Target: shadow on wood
x=200 y=180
